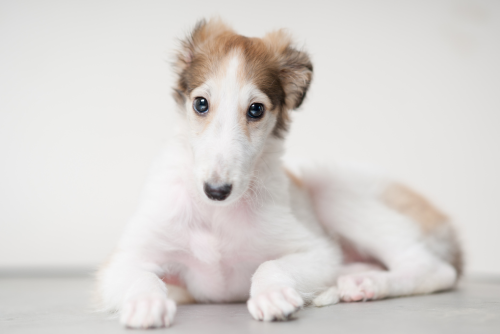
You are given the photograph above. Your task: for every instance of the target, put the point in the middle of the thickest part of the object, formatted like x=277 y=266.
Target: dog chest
x=220 y=268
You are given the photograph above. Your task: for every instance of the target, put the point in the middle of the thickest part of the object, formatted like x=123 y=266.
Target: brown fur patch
x=413 y=205
x=271 y=63
x=419 y=209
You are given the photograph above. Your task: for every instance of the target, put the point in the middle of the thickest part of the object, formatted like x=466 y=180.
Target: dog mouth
x=217 y=192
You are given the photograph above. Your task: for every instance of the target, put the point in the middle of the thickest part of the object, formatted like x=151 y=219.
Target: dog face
x=235 y=93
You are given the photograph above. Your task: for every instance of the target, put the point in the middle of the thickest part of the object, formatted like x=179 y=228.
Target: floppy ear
x=185 y=54
x=192 y=45
x=295 y=68
x=202 y=32
x=296 y=76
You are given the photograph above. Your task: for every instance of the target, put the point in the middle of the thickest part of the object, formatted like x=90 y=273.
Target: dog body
x=222 y=220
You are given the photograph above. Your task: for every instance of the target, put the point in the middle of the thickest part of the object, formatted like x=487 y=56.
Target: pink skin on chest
x=221 y=254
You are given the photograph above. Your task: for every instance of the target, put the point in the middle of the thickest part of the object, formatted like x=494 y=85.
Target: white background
x=410 y=86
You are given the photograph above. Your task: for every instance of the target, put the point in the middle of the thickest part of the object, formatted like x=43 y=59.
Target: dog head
x=235 y=94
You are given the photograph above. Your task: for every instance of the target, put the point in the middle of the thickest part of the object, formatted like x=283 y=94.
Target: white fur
x=264 y=244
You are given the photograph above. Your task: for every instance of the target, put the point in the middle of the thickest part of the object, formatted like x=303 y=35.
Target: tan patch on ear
x=295 y=74
x=202 y=33
x=294 y=178
x=296 y=68
x=411 y=204
x=200 y=54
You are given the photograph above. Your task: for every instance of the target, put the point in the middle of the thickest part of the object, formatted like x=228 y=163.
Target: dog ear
x=194 y=42
x=295 y=67
x=190 y=46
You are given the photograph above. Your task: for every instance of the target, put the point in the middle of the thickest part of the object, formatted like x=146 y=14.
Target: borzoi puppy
x=222 y=220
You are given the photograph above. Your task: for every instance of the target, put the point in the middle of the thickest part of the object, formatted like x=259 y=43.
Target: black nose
x=217 y=193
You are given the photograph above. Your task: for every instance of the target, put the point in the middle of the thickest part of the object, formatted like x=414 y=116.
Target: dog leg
x=280 y=287
x=418 y=272
x=139 y=295
x=146 y=304
x=390 y=223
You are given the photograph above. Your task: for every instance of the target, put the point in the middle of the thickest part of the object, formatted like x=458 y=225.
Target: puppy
x=221 y=219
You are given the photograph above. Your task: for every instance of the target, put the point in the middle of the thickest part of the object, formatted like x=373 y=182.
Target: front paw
x=275 y=304
x=148 y=312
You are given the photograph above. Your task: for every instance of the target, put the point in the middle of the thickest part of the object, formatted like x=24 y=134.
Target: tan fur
x=432 y=221
x=294 y=178
x=413 y=205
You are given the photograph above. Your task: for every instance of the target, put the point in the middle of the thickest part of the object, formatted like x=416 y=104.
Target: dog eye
x=200 y=105
x=256 y=110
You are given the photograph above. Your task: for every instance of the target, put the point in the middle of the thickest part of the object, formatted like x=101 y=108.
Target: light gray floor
x=60 y=305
